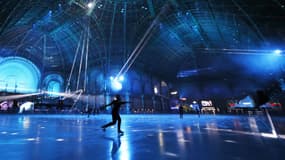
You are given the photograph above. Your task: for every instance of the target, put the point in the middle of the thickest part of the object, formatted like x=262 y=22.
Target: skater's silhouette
x=116 y=104
x=181 y=111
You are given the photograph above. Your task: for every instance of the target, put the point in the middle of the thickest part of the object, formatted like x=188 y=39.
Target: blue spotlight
x=91 y=5
x=50 y=13
x=277 y=51
x=155 y=89
x=116 y=85
x=121 y=78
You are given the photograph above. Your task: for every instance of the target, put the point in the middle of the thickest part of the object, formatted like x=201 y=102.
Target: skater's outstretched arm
x=109 y=104
x=124 y=102
x=106 y=105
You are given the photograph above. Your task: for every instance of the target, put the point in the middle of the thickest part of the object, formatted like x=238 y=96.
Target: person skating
x=116 y=104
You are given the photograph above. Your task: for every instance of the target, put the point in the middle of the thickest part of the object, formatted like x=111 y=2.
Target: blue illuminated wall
x=18 y=75
x=137 y=87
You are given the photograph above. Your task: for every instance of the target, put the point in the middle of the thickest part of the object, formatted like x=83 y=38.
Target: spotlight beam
x=80 y=4
x=141 y=43
x=133 y=60
x=242 y=51
x=66 y=95
x=90 y=7
x=12 y=97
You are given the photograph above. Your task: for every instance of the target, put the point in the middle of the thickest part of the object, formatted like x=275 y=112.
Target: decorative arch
x=18 y=75
x=53 y=83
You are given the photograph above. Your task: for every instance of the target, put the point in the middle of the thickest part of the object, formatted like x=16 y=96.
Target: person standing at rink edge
x=181 y=111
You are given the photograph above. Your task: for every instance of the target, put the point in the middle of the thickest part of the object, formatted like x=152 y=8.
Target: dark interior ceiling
x=198 y=39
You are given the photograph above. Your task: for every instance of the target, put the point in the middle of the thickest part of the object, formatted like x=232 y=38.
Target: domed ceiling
x=173 y=39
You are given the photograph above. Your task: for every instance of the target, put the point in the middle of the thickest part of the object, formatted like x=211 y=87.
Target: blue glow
x=277 y=51
x=18 y=75
x=116 y=82
x=282 y=83
x=116 y=85
x=155 y=90
x=265 y=63
x=91 y=5
x=53 y=83
x=246 y=102
x=121 y=78
x=54 y=87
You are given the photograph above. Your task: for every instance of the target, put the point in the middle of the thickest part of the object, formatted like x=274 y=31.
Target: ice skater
x=116 y=104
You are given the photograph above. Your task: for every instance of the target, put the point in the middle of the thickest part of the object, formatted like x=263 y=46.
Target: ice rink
x=147 y=137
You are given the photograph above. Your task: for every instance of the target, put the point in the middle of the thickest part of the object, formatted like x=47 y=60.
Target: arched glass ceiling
x=187 y=30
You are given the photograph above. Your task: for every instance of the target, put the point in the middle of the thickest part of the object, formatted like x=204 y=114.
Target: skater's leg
x=114 y=120
x=109 y=124
x=119 y=124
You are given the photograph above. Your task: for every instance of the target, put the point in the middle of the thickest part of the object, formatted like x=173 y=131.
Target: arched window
x=53 y=84
x=18 y=75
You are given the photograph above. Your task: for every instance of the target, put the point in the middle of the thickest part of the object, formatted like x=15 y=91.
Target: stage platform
x=146 y=137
